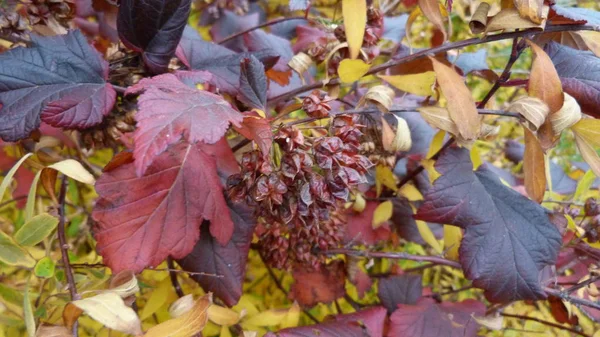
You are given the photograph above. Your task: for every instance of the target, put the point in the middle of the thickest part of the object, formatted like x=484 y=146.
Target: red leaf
x=372 y=318
x=319 y=286
x=142 y=220
x=170 y=110
x=360 y=227
x=399 y=289
x=259 y=130
x=429 y=319
x=229 y=261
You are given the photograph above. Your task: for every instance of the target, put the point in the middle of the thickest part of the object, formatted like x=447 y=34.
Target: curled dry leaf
x=461 y=106
x=531 y=9
x=399 y=140
x=510 y=19
x=181 y=306
x=300 y=64
x=188 y=324
x=381 y=95
x=110 y=310
x=533 y=109
x=567 y=116
x=73 y=169
x=439 y=118
x=479 y=19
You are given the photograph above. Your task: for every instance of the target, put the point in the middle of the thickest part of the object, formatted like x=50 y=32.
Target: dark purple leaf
x=508 y=238
x=222 y=63
x=406 y=226
x=154 y=28
x=430 y=319
x=373 y=319
x=505 y=175
x=230 y=23
x=579 y=73
x=399 y=289
x=287 y=29
x=61 y=79
x=253 y=83
x=229 y=261
x=260 y=40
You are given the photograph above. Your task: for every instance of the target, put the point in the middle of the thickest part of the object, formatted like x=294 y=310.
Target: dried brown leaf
x=534 y=167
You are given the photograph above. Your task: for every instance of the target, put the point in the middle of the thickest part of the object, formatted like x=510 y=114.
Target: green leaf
x=30 y=206
x=36 y=229
x=45 y=268
x=28 y=313
x=13 y=254
x=11 y=174
x=584 y=185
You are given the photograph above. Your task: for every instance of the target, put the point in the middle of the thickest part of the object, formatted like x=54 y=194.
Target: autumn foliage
x=289 y=168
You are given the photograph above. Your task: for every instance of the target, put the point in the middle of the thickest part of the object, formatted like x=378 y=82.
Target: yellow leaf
x=382 y=96
x=584 y=185
x=461 y=106
x=266 y=318
x=384 y=177
x=439 y=118
x=225 y=332
x=351 y=71
x=52 y=331
x=531 y=9
x=158 y=297
x=382 y=213
x=355 y=21
x=428 y=236
x=359 y=203
x=534 y=167
x=292 y=318
x=223 y=316
x=124 y=284
x=589 y=154
x=452 y=237
x=588 y=129
x=418 y=84
x=567 y=116
x=436 y=143
x=411 y=192
x=110 y=310
x=73 y=169
x=476 y=158
x=187 y=324
x=36 y=230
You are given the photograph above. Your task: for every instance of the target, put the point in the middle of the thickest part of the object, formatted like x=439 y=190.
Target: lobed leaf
x=399 y=289
x=508 y=238
x=59 y=79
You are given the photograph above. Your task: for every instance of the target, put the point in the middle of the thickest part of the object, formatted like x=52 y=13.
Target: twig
x=173 y=277
x=64 y=247
x=437 y=50
x=393 y=255
x=575 y=300
x=583 y=284
x=119 y=89
x=100 y=265
x=280 y=287
x=265 y=24
x=554 y=325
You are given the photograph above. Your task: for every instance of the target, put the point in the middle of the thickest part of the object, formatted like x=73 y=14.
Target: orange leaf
x=461 y=105
x=534 y=167
x=431 y=9
x=530 y=9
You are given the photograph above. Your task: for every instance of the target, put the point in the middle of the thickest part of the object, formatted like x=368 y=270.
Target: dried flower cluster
x=297 y=196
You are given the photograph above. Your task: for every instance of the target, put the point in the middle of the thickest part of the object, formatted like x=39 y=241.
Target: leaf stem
x=64 y=246
x=264 y=24
x=173 y=277
x=393 y=255
x=575 y=300
x=552 y=324
x=437 y=50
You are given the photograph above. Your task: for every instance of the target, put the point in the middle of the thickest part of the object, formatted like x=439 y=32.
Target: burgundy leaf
x=430 y=319
x=229 y=260
x=373 y=319
x=579 y=73
x=508 y=238
x=573 y=16
x=257 y=129
x=60 y=78
x=154 y=28
x=142 y=220
x=253 y=83
x=258 y=40
x=307 y=35
x=222 y=63
x=324 y=285
x=360 y=227
x=330 y=329
x=170 y=110
x=399 y=289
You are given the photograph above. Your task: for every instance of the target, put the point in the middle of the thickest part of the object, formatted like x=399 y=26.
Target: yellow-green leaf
x=588 y=129
x=8 y=178
x=73 y=169
x=223 y=316
x=584 y=185
x=452 y=237
x=158 y=297
x=13 y=254
x=30 y=206
x=28 y=313
x=351 y=71
x=418 y=84
x=36 y=229
x=382 y=213
x=355 y=21
x=428 y=236
x=45 y=268
x=588 y=153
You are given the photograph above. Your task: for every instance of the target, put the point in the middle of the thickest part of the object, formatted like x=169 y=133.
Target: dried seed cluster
x=297 y=197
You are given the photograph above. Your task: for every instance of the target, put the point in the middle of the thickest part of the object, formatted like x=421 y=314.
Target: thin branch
x=552 y=324
x=437 y=50
x=265 y=24
x=574 y=300
x=100 y=265
x=119 y=89
x=583 y=284
x=64 y=246
x=173 y=277
x=393 y=255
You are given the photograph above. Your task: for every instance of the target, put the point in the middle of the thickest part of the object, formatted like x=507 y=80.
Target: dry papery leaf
x=510 y=19
x=567 y=116
x=399 y=140
x=431 y=9
x=381 y=95
x=531 y=9
x=108 y=309
x=53 y=331
x=300 y=64
x=533 y=109
x=534 y=167
x=479 y=19
x=188 y=324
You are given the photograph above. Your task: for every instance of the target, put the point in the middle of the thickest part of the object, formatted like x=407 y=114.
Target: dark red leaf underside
x=229 y=260
x=60 y=80
x=142 y=220
x=508 y=238
x=169 y=110
x=399 y=289
x=253 y=83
